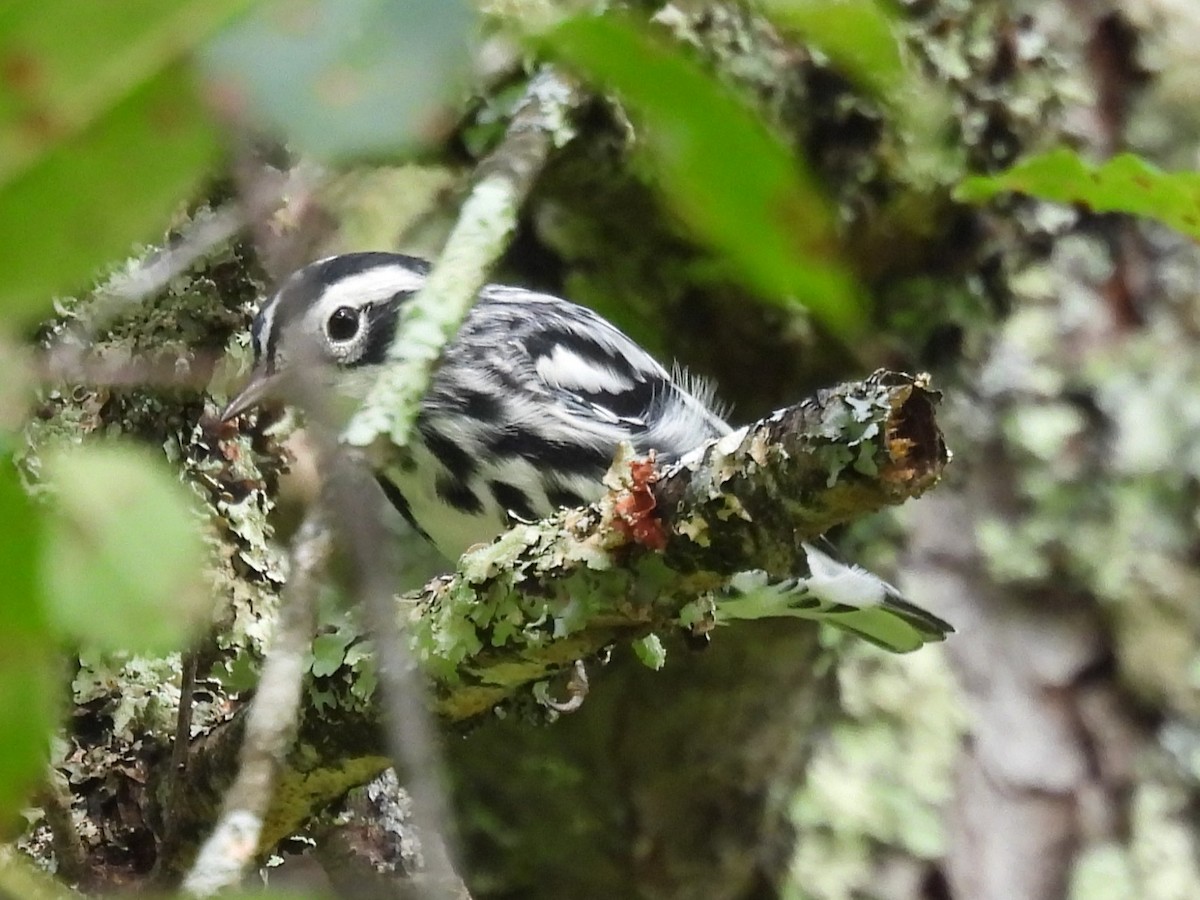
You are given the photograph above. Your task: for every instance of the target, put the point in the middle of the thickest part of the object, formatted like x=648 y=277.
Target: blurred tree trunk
x=667 y=784
x=1061 y=552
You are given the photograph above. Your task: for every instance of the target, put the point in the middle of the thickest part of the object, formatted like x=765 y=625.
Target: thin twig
x=409 y=731
x=271 y=725
x=55 y=801
x=485 y=222
x=355 y=508
x=207 y=232
x=179 y=758
x=487 y=218
x=69 y=363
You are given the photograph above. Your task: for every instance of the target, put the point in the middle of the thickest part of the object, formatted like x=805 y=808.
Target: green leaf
x=862 y=39
x=236 y=675
x=329 y=652
x=734 y=182
x=344 y=78
x=124 y=558
x=27 y=676
x=67 y=64
x=100 y=136
x=1125 y=184
x=85 y=201
x=856 y=34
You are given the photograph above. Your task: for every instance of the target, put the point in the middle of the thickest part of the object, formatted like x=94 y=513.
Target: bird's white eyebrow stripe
x=375 y=284
x=294 y=300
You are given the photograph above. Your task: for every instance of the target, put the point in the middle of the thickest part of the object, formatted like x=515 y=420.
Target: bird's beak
x=260 y=386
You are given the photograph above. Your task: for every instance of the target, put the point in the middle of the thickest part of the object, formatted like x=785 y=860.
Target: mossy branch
x=648 y=554
x=646 y=557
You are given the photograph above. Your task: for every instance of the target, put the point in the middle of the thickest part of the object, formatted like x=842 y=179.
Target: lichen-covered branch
x=548 y=593
x=848 y=451
x=485 y=222
x=648 y=556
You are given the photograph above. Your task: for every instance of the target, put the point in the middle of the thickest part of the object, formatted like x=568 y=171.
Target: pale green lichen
x=1165 y=849
x=485 y=604
x=651 y=652
x=732 y=508
x=1104 y=872
x=484 y=562
x=695 y=528
x=1107 y=510
x=851 y=427
x=138 y=694
x=1159 y=862
x=881 y=776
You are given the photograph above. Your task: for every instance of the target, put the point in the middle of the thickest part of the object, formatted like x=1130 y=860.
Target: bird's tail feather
x=846 y=596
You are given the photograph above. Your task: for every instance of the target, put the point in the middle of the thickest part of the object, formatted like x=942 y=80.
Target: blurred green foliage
x=27 y=672
x=101 y=135
x=856 y=34
x=1124 y=184
x=344 y=78
x=734 y=182
x=104 y=135
x=123 y=560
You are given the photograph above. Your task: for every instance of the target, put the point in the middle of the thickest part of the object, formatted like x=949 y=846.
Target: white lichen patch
x=554 y=98
x=591 y=552
x=487 y=560
x=618 y=476
x=729 y=444
x=761 y=448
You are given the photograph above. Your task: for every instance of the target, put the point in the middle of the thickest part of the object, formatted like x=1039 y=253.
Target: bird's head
x=340 y=312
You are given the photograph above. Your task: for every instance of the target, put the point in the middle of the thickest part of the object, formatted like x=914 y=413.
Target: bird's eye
x=343 y=324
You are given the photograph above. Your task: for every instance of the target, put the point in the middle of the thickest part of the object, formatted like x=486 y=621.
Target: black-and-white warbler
x=523 y=417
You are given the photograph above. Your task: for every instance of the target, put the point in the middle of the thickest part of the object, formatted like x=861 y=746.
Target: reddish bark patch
x=635 y=507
